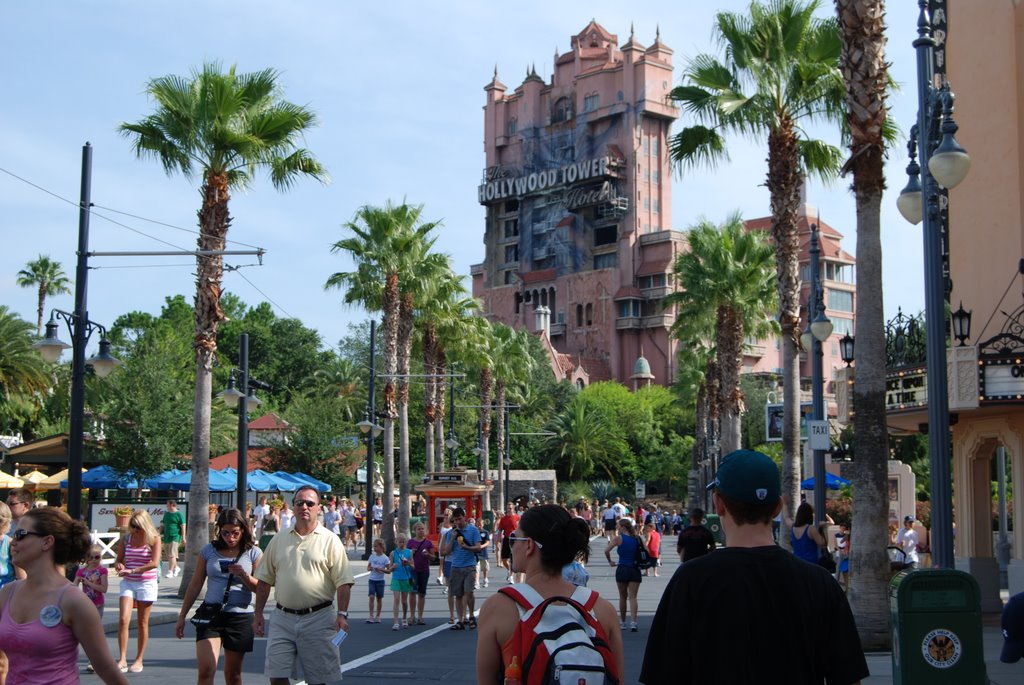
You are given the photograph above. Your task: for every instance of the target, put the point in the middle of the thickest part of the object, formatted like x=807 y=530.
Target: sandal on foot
x=451 y=620
x=472 y=623
x=457 y=626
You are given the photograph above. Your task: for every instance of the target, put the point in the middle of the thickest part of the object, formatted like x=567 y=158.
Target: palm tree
x=383 y=240
x=512 y=366
x=48 y=278
x=223 y=127
x=780 y=72
x=583 y=442
x=23 y=372
x=441 y=312
x=425 y=271
x=728 y=270
x=866 y=74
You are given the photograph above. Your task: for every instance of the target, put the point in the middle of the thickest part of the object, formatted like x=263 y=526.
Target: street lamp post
x=369 y=426
x=242 y=397
x=943 y=165
x=818 y=330
x=81 y=329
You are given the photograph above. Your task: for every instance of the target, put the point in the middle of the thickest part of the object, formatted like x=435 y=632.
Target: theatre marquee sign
x=906 y=389
x=1001 y=379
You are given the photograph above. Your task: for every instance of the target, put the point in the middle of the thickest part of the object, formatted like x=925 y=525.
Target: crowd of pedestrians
x=544 y=550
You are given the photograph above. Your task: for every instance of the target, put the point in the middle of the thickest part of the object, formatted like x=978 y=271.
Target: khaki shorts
x=461 y=580
x=170 y=550
x=299 y=647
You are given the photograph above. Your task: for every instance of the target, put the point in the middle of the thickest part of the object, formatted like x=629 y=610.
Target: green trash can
x=714 y=523
x=936 y=628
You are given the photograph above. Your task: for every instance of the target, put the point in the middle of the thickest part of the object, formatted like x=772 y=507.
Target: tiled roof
x=268 y=422
x=254 y=459
x=625 y=292
x=597 y=368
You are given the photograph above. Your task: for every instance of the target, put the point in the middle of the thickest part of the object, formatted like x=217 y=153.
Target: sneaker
x=633 y=627
x=622 y=625
x=169 y=574
x=439 y=581
x=405 y=624
x=476 y=586
x=395 y=627
x=177 y=572
x=486 y=582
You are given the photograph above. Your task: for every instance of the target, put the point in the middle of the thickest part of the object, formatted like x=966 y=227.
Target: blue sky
x=398 y=87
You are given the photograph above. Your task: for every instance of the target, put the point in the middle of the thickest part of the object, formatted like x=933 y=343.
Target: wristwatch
x=343 y=613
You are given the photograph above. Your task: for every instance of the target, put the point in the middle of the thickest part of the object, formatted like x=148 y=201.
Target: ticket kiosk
x=447 y=490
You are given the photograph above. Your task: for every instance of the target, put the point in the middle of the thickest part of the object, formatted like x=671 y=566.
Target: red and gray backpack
x=559 y=639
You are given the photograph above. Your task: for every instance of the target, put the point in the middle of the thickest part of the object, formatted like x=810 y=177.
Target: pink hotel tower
x=577 y=186
x=578 y=241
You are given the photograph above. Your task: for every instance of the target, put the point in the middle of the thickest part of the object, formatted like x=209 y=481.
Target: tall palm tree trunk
x=730 y=360
x=429 y=392
x=214 y=221
x=486 y=386
x=40 y=308
x=405 y=323
x=499 y=396
x=784 y=183
x=862 y=26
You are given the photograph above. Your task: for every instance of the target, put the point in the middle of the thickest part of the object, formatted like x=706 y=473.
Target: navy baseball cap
x=1013 y=630
x=748 y=476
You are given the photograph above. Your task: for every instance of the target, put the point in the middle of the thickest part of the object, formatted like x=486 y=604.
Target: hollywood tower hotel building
x=577 y=186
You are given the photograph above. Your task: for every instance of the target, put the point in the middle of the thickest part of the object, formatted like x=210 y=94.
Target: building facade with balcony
x=577 y=187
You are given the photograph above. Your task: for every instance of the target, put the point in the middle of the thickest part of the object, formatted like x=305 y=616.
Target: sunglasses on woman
x=513 y=539
x=21 y=534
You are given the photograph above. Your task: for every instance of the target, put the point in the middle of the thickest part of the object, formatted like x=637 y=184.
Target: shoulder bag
x=208 y=613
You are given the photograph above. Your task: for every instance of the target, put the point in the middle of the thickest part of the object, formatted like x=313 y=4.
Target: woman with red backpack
x=511 y=630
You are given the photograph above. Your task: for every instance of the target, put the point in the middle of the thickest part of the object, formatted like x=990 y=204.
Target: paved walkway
x=375 y=653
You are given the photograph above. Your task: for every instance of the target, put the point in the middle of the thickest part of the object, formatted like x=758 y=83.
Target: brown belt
x=307 y=610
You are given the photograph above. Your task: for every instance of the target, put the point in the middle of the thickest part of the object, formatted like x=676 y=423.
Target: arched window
x=579 y=315
x=562 y=110
x=590 y=314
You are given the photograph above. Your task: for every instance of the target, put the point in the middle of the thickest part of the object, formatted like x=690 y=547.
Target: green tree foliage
x=24 y=376
x=583 y=443
x=321 y=442
x=147 y=410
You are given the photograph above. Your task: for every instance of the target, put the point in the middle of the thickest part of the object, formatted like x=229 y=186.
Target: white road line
x=391 y=649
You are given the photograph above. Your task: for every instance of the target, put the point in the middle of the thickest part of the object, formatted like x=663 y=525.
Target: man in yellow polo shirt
x=308 y=568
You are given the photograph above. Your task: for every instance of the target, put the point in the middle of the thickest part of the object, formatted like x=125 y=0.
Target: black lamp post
x=943 y=165
x=372 y=430
x=242 y=397
x=81 y=328
x=818 y=330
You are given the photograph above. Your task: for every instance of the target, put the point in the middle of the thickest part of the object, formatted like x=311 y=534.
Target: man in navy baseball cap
x=1013 y=630
x=789 y=619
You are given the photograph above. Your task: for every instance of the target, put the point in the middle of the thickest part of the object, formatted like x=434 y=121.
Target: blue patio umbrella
x=157 y=481
x=219 y=482
x=287 y=481
x=310 y=480
x=832 y=482
x=261 y=481
x=103 y=477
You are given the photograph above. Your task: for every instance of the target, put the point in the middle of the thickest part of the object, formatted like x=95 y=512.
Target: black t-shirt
x=753 y=615
x=695 y=541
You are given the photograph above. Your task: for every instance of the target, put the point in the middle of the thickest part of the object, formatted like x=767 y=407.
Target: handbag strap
x=227 y=586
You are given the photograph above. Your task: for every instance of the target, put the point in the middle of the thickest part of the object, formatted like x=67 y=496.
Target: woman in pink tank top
x=41 y=624
x=138 y=565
